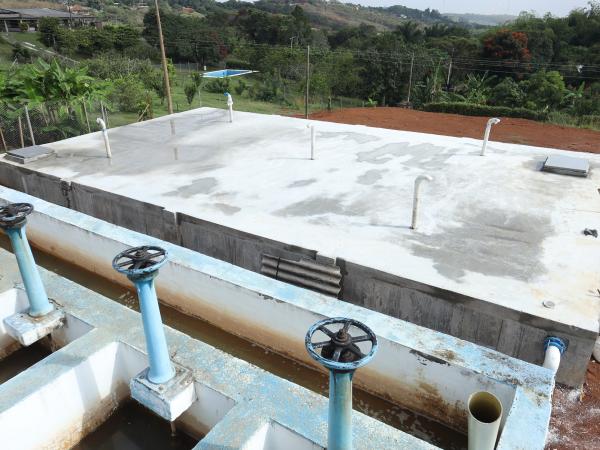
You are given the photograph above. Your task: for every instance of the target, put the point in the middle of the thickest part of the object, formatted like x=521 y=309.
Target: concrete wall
x=69 y=393
x=515 y=334
x=233 y=246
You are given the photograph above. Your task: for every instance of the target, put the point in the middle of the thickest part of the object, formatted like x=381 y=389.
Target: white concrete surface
x=494 y=228
x=28 y=330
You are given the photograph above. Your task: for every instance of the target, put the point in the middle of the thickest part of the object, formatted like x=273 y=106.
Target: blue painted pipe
x=339 y=431
x=39 y=305
x=161 y=370
x=342 y=357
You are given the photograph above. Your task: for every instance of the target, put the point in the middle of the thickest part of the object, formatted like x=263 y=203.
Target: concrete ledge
x=28 y=330
x=168 y=400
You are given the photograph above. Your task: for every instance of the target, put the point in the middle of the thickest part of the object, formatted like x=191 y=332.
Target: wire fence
x=42 y=123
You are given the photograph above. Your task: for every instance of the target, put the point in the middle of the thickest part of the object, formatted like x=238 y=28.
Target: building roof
x=492 y=227
x=33 y=13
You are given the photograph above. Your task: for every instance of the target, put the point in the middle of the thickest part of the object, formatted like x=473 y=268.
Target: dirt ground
x=575 y=422
x=515 y=131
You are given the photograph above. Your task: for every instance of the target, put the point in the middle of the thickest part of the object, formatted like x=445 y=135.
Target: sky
x=556 y=7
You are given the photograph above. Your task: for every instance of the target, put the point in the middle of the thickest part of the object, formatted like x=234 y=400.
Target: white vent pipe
x=553 y=349
x=229 y=106
x=485 y=415
x=312 y=140
x=100 y=122
x=416 y=198
x=486 y=136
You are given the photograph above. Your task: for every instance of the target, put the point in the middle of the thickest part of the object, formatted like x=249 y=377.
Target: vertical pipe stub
x=13 y=218
x=141 y=265
x=229 y=105
x=102 y=124
x=342 y=356
x=417 y=198
x=488 y=129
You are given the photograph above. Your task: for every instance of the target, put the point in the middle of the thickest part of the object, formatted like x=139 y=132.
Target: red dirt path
x=514 y=131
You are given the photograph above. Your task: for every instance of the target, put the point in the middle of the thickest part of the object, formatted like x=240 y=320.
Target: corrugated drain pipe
x=304 y=273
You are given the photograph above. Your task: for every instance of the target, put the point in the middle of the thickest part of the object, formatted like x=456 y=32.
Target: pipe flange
x=555 y=342
x=138 y=261
x=14 y=214
x=340 y=352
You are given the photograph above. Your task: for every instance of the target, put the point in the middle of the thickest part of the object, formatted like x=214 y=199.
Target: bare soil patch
x=513 y=131
x=575 y=422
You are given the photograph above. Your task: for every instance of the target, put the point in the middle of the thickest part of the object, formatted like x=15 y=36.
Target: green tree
x=190 y=90
x=507 y=93
x=128 y=94
x=545 y=90
x=49 y=29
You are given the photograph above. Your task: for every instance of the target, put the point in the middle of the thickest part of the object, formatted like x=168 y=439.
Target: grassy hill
x=481 y=19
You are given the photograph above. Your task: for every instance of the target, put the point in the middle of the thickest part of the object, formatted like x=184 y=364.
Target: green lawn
x=32 y=38
x=210 y=99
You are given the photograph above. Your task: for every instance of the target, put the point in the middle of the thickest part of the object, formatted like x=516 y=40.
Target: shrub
x=240 y=87
x=507 y=93
x=190 y=91
x=128 y=94
x=217 y=86
x=471 y=109
x=21 y=53
x=238 y=64
x=266 y=91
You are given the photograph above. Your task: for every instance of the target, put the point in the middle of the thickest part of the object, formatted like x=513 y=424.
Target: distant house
x=10 y=19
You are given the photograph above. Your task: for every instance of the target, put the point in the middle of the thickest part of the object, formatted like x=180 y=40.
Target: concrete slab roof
x=492 y=227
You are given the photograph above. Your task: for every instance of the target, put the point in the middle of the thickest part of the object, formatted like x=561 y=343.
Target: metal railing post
x=141 y=265
x=342 y=357
x=13 y=219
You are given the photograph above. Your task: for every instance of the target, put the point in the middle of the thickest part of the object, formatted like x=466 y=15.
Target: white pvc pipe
x=597 y=350
x=100 y=122
x=485 y=414
x=229 y=106
x=552 y=358
x=416 y=198
x=486 y=136
x=312 y=141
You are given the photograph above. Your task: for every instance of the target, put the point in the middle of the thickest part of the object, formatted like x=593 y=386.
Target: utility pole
x=307 y=81
x=164 y=60
x=449 y=74
x=70 y=14
x=412 y=64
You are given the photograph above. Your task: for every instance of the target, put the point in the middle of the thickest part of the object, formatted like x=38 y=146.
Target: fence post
x=3 y=140
x=29 y=125
x=103 y=112
x=20 y=131
x=87 y=119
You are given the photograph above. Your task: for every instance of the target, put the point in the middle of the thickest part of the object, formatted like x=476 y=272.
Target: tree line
x=544 y=65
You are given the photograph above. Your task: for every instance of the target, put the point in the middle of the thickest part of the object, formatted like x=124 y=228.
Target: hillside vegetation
x=542 y=68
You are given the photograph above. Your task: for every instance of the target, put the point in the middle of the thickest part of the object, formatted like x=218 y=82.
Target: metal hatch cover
x=29 y=154
x=567 y=165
